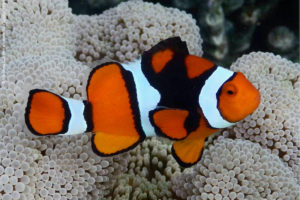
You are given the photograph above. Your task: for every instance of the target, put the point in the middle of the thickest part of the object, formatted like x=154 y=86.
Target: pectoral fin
x=170 y=122
x=188 y=152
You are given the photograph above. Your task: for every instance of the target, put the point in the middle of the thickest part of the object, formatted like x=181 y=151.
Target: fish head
x=237 y=98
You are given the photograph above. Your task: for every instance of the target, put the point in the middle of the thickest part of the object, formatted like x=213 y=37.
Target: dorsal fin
x=196 y=66
x=156 y=59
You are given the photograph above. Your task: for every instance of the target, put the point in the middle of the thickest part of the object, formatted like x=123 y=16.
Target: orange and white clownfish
x=209 y=97
x=167 y=92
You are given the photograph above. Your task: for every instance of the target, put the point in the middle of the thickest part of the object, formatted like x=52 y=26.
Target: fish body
x=167 y=93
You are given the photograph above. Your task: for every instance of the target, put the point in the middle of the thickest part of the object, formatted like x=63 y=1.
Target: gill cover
x=237 y=98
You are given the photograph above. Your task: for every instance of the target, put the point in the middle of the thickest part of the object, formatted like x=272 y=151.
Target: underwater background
x=53 y=45
x=230 y=28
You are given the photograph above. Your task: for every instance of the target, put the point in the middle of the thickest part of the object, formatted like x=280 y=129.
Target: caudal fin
x=50 y=114
x=46 y=113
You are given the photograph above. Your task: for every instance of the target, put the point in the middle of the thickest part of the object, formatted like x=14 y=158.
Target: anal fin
x=188 y=152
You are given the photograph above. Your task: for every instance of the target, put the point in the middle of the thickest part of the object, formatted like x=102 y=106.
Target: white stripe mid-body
x=77 y=123
x=148 y=97
x=208 y=99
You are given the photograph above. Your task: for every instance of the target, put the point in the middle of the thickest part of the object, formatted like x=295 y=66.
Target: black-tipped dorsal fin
x=156 y=58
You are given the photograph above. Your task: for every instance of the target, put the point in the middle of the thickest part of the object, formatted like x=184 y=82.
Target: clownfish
x=167 y=92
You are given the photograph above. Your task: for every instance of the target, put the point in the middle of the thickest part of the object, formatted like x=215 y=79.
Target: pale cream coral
x=124 y=32
x=275 y=124
x=36 y=28
x=237 y=169
x=71 y=170
x=150 y=170
x=18 y=167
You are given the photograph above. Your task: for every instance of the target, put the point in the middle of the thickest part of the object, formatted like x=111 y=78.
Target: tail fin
x=49 y=114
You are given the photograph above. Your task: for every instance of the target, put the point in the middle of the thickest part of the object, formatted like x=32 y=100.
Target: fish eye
x=230 y=92
x=230 y=89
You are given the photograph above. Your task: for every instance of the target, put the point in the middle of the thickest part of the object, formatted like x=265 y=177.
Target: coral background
x=44 y=45
x=273 y=14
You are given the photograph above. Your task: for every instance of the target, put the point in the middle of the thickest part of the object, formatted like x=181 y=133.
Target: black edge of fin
x=117 y=152
x=185 y=165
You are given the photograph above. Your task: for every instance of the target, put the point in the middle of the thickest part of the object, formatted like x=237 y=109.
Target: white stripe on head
x=208 y=97
x=147 y=96
x=77 y=122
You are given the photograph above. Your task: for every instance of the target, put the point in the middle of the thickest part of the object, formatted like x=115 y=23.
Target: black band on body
x=87 y=113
